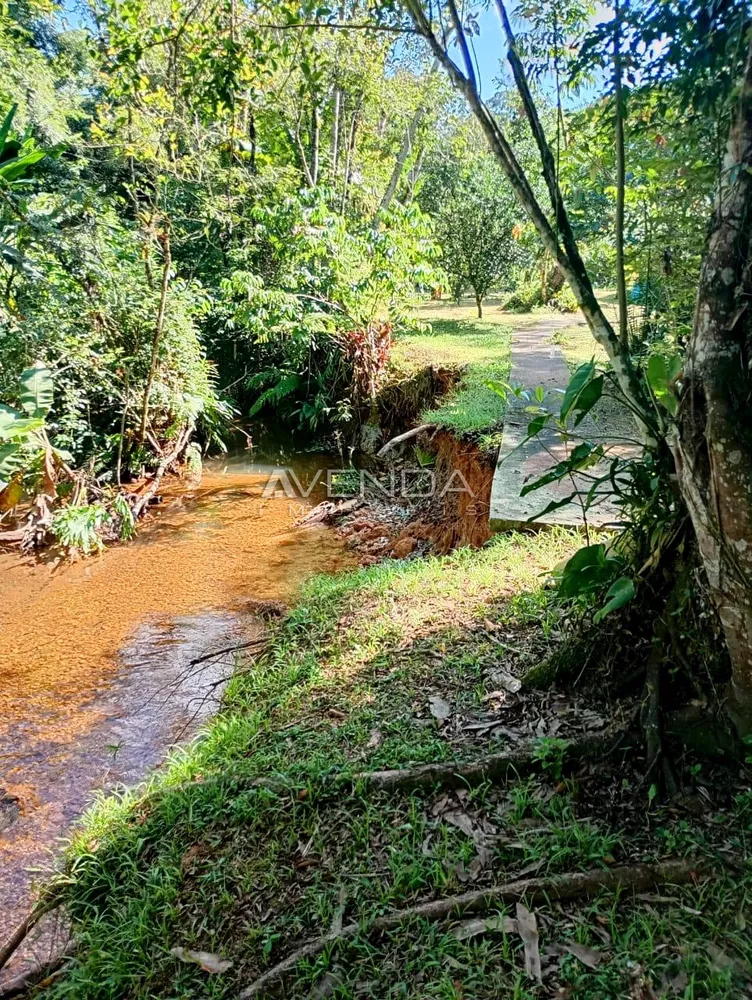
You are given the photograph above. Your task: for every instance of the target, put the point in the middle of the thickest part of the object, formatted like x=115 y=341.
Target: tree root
x=407 y=436
x=494 y=767
x=638 y=878
x=19 y=935
x=38 y=975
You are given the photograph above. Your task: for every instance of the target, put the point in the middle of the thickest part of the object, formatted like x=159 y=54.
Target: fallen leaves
x=455 y=809
x=589 y=957
x=473 y=928
x=528 y=929
x=207 y=960
x=439 y=708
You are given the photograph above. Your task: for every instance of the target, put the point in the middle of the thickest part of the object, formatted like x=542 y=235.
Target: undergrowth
x=202 y=859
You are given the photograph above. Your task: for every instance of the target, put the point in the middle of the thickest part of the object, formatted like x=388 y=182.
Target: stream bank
x=259 y=839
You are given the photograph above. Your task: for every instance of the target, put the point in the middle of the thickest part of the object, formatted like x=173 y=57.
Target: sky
x=488 y=46
x=489 y=50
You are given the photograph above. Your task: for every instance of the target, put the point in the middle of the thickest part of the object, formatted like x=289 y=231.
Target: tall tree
x=712 y=440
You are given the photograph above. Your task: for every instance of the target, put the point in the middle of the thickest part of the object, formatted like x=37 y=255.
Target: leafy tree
x=707 y=443
x=476 y=219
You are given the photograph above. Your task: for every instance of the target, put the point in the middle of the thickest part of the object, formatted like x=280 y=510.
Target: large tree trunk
x=407 y=147
x=713 y=445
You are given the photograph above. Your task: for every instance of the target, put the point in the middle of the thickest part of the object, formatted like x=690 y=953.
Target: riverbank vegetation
x=239 y=849
x=227 y=212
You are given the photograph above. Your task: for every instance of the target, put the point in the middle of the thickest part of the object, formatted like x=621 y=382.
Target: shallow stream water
x=94 y=678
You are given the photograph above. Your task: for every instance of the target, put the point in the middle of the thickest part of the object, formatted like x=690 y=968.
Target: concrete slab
x=536 y=361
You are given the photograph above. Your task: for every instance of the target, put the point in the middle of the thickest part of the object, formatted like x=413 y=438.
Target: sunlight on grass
x=215 y=858
x=483 y=350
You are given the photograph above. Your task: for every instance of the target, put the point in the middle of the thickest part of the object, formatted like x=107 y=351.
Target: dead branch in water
x=577 y=885
x=403 y=437
x=227 y=649
x=165 y=462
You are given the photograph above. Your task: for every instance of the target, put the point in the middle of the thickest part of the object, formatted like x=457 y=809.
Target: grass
x=203 y=859
x=456 y=338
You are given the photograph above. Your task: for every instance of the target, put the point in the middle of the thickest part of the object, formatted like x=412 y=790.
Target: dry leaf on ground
x=207 y=961
x=439 y=708
x=590 y=957
x=472 y=928
x=528 y=928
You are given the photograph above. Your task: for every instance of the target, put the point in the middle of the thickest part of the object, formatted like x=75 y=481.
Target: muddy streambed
x=94 y=682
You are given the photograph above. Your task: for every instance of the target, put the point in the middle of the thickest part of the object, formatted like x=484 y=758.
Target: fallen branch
x=577 y=885
x=327 y=511
x=165 y=462
x=403 y=437
x=227 y=649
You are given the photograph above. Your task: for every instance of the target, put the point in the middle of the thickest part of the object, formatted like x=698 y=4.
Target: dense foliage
x=218 y=211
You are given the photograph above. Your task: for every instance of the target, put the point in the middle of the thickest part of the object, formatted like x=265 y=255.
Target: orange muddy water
x=94 y=676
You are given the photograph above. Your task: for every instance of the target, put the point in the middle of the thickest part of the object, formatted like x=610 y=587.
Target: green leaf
x=37 y=390
x=587 y=399
x=537 y=424
x=8 y=417
x=5 y=127
x=15 y=169
x=554 y=505
x=500 y=388
x=661 y=375
x=589 y=568
x=584 y=454
x=21 y=427
x=576 y=384
x=619 y=593
x=10 y=462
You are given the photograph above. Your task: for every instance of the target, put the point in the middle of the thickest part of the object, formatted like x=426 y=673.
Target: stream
x=95 y=685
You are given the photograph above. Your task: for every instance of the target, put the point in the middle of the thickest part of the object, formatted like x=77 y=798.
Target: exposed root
x=577 y=885
x=494 y=767
x=39 y=975
x=406 y=436
x=19 y=935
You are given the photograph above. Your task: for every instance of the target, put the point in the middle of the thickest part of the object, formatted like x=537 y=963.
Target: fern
x=284 y=388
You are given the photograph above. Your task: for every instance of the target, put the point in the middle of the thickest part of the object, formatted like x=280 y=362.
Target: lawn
x=456 y=338
x=238 y=847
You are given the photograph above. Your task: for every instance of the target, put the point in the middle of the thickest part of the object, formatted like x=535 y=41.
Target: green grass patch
x=483 y=350
x=202 y=859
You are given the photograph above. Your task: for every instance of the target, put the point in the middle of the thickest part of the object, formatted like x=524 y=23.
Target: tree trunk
x=334 y=153
x=567 y=256
x=315 y=143
x=164 y=240
x=479 y=304
x=621 y=174
x=349 y=160
x=713 y=444
x=407 y=146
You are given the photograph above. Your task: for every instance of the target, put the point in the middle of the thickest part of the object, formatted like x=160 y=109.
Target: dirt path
x=537 y=361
